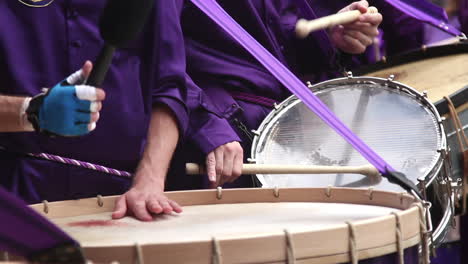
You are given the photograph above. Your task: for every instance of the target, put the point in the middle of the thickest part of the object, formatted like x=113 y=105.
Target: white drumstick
x=305 y=27
x=367 y=170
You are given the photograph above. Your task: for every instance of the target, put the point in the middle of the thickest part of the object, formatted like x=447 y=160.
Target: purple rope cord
x=82 y=164
x=78 y=163
x=289 y=80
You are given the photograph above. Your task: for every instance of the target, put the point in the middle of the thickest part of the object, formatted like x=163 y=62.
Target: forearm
x=12 y=114
x=163 y=135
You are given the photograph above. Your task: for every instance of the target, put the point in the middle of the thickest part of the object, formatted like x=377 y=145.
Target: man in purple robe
x=395 y=27
x=142 y=115
x=241 y=92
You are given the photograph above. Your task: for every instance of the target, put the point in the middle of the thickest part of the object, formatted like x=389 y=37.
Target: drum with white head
x=396 y=121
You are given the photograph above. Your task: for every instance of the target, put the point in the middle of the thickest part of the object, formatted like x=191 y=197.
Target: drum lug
x=424 y=93
x=441 y=120
x=276 y=106
x=349 y=75
x=462 y=37
x=391 y=78
x=255 y=132
x=309 y=84
x=251 y=160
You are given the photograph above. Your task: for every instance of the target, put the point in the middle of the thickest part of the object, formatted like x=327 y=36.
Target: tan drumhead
x=245 y=226
x=441 y=76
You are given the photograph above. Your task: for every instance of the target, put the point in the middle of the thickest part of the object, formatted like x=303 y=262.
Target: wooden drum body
x=307 y=225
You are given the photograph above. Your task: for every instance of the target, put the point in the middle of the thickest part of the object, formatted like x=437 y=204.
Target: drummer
x=396 y=26
x=44 y=41
x=242 y=92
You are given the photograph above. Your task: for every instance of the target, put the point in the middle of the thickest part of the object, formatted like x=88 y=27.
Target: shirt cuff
x=212 y=133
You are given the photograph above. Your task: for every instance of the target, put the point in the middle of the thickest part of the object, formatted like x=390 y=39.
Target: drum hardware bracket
x=251 y=160
x=276 y=192
x=139 y=254
x=219 y=193
x=100 y=202
x=370 y=193
x=349 y=74
x=255 y=132
x=424 y=94
x=45 y=204
x=291 y=256
x=391 y=78
x=309 y=84
x=328 y=191
x=441 y=121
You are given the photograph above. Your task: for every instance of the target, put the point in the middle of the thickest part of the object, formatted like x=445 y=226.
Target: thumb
x=120 y=208
x=87 y=68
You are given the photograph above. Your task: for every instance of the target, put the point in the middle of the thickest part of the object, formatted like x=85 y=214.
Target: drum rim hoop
x=410 y=216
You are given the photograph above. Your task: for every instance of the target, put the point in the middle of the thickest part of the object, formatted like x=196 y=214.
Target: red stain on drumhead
x=96 y=223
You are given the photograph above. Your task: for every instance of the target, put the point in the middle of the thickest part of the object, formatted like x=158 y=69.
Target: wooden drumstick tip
x=194 y=169
x=372 y=10
x=301 y=28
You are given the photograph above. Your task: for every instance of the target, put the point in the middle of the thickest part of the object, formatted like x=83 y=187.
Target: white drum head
x=390 y=117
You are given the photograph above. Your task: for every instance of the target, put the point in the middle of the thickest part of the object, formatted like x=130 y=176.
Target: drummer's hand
x=142 y=200
x=224 y=164
x=354 y=37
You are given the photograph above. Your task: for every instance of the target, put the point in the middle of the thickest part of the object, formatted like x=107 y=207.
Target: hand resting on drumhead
x=146 y=196
x=224 y=164
x=355 y=37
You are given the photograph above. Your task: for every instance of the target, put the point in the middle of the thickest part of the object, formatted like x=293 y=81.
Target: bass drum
x=396 y=121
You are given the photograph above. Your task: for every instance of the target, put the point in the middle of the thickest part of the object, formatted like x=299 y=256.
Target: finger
x=373 y=19
x=86 y=92
x=357 y=46
x=140 y=211
x=81 y=129
x=177 y=208
x=91 y=126
x=228 y=162
x=167 y=208
x=154 y=207
x=364 y=39
x=237 y=167
x=87 y=68
x=361 y=6
x=82 y=117
x=210 y=164
x=94 y=117
x=120 y=208
x=219 y=156
x=366 y=29
x=95 y=106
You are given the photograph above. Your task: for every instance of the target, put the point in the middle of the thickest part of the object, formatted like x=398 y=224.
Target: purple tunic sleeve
x=207 y=129
x=171 y=88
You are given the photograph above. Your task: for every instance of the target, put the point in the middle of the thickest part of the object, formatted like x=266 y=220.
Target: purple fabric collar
x=289 y=80
x=426 y=12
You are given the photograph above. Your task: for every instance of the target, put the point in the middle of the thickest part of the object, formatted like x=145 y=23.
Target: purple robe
x=238 y=90
x=463 y=16
x=395 y=26
x=41 y=46
x=24 y=232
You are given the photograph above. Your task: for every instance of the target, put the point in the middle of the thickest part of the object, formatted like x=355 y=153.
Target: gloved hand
x=70 y=108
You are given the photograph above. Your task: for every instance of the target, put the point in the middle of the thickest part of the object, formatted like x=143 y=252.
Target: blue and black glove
x=65 y=109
